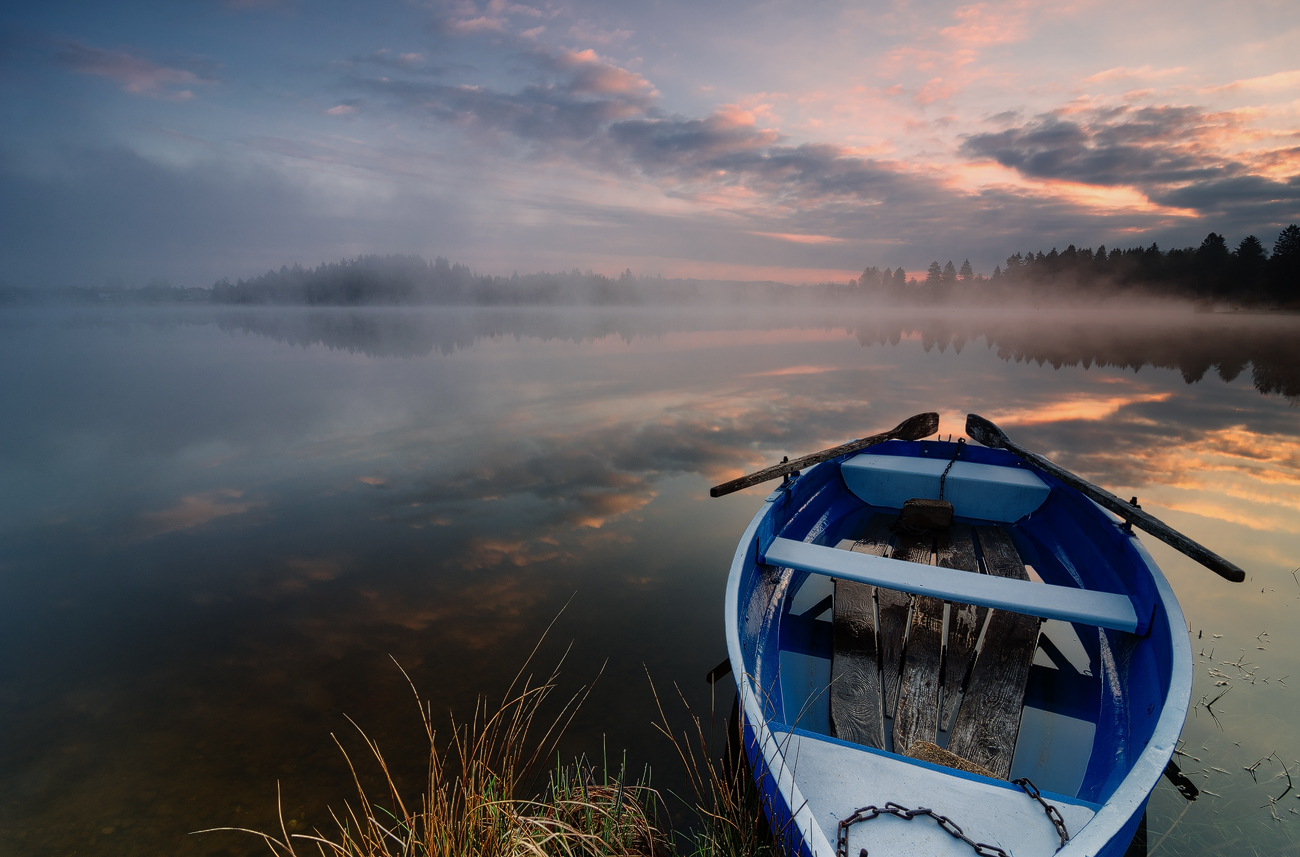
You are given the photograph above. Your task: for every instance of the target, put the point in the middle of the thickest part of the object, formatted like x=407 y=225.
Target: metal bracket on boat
x=1128 y=525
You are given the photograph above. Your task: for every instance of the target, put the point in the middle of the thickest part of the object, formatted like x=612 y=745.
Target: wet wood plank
x=917 y=715
x=856 y=699
x=988 y=721
x=956 y=549
x=893 y=609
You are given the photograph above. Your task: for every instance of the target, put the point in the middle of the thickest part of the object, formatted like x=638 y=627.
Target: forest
x=1247 y=275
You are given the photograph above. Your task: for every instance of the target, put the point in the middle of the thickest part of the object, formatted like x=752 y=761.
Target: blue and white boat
x=1023 y=672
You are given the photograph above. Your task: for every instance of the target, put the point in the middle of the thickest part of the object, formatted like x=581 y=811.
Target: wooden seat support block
x=1101 y=609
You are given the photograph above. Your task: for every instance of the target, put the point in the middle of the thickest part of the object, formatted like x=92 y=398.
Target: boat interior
x=1023 y=639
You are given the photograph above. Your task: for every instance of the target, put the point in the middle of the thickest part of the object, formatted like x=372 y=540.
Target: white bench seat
x=1101 y=609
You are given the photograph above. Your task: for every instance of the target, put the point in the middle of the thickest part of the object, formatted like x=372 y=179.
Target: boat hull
x=809 y=779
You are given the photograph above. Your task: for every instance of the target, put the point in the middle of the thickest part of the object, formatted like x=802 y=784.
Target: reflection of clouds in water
x=477 y=612
x=195 y=510
x=1231 y=474
x=1073 y=406
x=607 y=467
x=488 y=553
x=302 y=572
x=794 y=370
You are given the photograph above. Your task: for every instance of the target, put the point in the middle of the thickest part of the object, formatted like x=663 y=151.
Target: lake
x=222 y=530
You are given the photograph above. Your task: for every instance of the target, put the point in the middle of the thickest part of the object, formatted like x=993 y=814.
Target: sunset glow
x=518 y=136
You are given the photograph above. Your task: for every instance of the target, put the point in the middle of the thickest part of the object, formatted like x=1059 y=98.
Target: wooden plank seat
x=931 y=664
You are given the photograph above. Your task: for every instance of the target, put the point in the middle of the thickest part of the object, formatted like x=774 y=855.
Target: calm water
x=217 y=527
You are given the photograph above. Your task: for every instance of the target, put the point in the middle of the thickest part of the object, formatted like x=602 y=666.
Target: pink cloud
x=595 y=76
x=137 y=75
x=481 y=24
x=983 y=24
x=1145 y=72
x=934 y=90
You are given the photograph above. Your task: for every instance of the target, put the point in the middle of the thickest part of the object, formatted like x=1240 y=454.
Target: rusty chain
x=867 y=813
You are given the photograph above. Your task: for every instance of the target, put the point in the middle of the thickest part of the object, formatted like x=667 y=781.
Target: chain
x=867 y=813
x=961 y=442
x=947 y=824
x=1052 y=812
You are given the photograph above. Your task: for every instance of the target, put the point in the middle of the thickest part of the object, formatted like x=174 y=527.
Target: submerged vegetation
x=481 y=799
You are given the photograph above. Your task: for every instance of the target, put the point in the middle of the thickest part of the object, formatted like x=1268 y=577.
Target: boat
x=943 y=647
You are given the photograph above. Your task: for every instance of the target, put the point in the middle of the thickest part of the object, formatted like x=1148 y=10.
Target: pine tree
x=900 y=278
x=934 y=275
x=1288 y=243
x=1285 y=265
x=950 y=272
x=967 y=273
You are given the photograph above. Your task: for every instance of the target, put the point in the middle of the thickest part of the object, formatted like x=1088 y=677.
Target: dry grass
x=477 y=800
x=726 y=800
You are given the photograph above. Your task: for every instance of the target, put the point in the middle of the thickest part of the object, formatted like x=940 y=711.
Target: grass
x=480 y=798
x=727 y=802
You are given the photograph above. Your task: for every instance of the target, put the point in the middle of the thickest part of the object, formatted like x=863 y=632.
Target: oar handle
x=913 y=428
x=988 y=434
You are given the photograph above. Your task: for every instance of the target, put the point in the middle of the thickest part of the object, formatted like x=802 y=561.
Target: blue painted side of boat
x=1144 y=679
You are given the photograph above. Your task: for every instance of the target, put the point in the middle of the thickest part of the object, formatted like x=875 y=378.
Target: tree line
x=1246 y=274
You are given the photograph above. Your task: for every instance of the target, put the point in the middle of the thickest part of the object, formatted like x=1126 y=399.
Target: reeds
x=480 y=798
x=726 y=800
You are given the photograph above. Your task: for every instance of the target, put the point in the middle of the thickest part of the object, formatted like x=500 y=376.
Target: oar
x=912 y=428
x=980 y=429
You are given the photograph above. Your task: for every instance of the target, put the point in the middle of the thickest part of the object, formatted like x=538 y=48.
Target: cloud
x=984 y=24
x=465 y=18
x=1152 y=145
x=137 y=75
x=1178 y=156
x=196 y=510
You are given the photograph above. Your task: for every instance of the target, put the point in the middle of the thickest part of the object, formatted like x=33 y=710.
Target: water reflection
x=1166 y=337
x=218 y=526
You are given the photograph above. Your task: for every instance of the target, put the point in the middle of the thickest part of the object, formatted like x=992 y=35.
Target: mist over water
x=220 y=527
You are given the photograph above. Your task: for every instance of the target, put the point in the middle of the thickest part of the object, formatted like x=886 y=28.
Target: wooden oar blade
x=917 y=427
x=912 y=428
x=984 y=432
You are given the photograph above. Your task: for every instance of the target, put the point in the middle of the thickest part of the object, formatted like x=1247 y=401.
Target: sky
x=792 y=141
